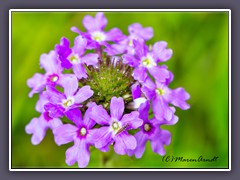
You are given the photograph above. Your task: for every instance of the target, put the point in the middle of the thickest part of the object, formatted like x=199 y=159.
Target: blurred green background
x=200 y=64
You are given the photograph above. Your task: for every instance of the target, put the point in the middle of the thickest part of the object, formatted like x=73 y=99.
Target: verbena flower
x=74 y=58
x=150 y=130
x=144 y=61
x=115 y=126
x=53 y=73
x=59 y=102
x=80 y=133
x=136 y=32
x=100 y=92
x=161 y=96
x=38 y=126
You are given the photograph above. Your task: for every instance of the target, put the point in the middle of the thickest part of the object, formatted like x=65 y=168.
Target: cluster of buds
x=106 y=85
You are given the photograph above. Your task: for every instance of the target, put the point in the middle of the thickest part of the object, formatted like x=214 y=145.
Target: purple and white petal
x=136 y=91
x=54 y=123
x=117 y=107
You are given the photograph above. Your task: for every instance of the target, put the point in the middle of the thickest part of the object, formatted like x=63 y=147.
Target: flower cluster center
x=115 y=126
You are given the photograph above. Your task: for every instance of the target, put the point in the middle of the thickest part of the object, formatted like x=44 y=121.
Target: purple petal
x=140 y=74
x=115 y=35
x=143 y=110
x=37 y=127
x=80 y=44
x=123 y=142
x=53 y=95
x=50 y=63
x=70 y=84
x=117 y=107
x=54 y=111
x=136 y=91
x=141 y=139
x=130 y=60
x=177 y=97
x=173 y=121
x=63 y=50
x=163 y=54
x=80 y=71
x=140 y=48
x=162 y=138
x=100 y=115
x=75 y=116
x=54 y=123
x=95 y=24
x=41 y=102
x=161 y=109
x=83 y=94
x=132 y=120
x=90 y=59
x=65 y=134
x=149 y=88
x=115 y=49
x=87 y=116
x=78 y=152
x=136 y=29
x=159 y=73
x=102 y=137
x=37 y=83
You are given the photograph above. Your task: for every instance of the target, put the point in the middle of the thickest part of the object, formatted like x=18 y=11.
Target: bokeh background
x=200 y=64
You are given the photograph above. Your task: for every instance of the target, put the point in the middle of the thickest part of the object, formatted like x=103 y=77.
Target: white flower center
x=54 y=78
x=68 y=102
x=98 y=36
x=147 y=127
x=74 y=58
x=83 y=131
x=159 y=91
x=148 y=61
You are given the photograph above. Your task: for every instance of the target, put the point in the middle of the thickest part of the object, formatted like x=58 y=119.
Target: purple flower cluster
x=105 y=85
